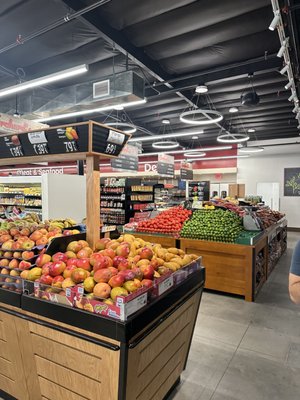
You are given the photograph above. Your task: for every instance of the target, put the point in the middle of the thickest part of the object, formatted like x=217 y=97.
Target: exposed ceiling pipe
x=61 y=21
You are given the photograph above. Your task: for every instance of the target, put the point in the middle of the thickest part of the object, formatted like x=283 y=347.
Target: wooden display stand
x=229 y=267
x=64 y=353
x=165 y=241
x=53 y=352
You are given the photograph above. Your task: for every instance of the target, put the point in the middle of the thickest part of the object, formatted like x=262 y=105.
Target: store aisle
x=246 y=351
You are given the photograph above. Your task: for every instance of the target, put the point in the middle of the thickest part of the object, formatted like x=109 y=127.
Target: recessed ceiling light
x=233 y=109
x=201 y=89
x=251 y=130
x=165 y=121
x=195 y=137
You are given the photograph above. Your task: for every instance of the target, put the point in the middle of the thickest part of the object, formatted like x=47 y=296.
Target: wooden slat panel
x=6 y=384
x=89 y=365
x=70 y=380
x=174 y=364
x=6 y=368
x=152 y=370
x=2 y=332
x=164 y=241
x=150 y=352
x=51 y=391
x=4 y=351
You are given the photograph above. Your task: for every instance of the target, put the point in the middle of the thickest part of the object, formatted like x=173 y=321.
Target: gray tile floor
x=246 y=351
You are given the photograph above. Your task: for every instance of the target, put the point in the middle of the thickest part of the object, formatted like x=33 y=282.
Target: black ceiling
x=174 y=44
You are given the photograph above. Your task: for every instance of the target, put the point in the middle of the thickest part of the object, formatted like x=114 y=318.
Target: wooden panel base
x=228 y=266
x=165 y=241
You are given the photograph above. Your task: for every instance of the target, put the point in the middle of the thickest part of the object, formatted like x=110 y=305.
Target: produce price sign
x=64 y=140
x=128 y=159
x=165 y=165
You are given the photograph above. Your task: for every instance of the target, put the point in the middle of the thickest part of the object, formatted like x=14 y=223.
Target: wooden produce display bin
x=164 y=240
x=49 y=351
x=230 y=268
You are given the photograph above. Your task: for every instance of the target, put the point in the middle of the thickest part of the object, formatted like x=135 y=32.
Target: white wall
x=270 y=168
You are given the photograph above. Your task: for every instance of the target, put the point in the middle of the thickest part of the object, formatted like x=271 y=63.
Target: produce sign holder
x=124 y=307
x=85 y=140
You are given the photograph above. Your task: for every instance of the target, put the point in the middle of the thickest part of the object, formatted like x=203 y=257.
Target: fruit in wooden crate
x=102 y=290
x=89 y=284
x=27 y=255
x=118 y=291
x=57 y=268
x=42 y=260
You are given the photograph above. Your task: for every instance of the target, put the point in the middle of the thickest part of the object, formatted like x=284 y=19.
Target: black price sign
x=186 y=174
x=107 y=141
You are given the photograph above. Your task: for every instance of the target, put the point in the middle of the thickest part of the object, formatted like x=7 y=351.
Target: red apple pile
x=116 y=267
x=167 y=222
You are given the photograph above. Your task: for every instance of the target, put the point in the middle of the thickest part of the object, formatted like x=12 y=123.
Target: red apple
x=46 y=279
x=72 y=261
x=27 y=255
x=42 y=260
x=102 y=275
x=116 y=281
x=109 y=253
x=138 y=273
x=46 y=268
x=148 y=271
x=127 y=274
x=68 y=271
x=94 y=257
x=84 y=263
x=79 y=275
x=101 y=243
x=57 y=268
x=59 y=257
x=57 y=281
x=147 y=282
x=86 y=252
x=123 y=250
x=120 y=260
x=24 y=265
x=146 y=253
x=103 y=262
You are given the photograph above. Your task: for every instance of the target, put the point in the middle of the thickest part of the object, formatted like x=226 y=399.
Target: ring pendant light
x=232 y=138
x=129 y=128
x=250 y=150
x=166 y=144
x=212 y=117
x=194 y=154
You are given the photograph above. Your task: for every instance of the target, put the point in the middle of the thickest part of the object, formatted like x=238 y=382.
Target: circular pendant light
x=232 y=138
x=166 y=144
x=129 y=128
x=250 y=150
x=209 y=117
x=194 y=154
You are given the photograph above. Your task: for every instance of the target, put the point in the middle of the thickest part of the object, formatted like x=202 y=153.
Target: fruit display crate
x=142 y=357
x=164 y=240
x=123 y=306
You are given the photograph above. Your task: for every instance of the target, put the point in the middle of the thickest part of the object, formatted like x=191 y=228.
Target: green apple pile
x=213 y=225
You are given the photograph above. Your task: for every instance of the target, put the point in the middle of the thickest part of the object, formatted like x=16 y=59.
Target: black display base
x=171 y=392
x=10 y=297
x=6 y=396
x=157 y=311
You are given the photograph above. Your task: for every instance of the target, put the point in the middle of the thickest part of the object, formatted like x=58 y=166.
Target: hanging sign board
x=186 y=172
x=165 y=165
x=78 y=139
x=128 y=159
x=10 y=124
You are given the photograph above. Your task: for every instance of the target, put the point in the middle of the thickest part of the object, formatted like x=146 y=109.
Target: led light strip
x=167 y=136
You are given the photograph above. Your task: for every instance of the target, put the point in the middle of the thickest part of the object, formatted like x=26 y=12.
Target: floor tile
x=266 y=341
x=225 y=331
x=293 y=359
x=251 y=377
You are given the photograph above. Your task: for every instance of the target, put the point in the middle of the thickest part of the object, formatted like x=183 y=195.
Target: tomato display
x=167 y=222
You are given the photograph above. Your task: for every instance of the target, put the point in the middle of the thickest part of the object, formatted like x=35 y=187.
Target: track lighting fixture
x=284 y=69
x=288 y=85
x=283 y=47
x=292 y=97
x=275 y=21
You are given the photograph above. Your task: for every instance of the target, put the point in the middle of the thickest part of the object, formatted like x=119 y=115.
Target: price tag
x=110 y=149
x=16 y=151
x=37 y=137
x=41 y=149
x=116 y=137
x=165 y=285
x=108 y=228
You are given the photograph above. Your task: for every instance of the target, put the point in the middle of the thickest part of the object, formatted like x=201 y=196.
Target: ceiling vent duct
x=116 y=89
